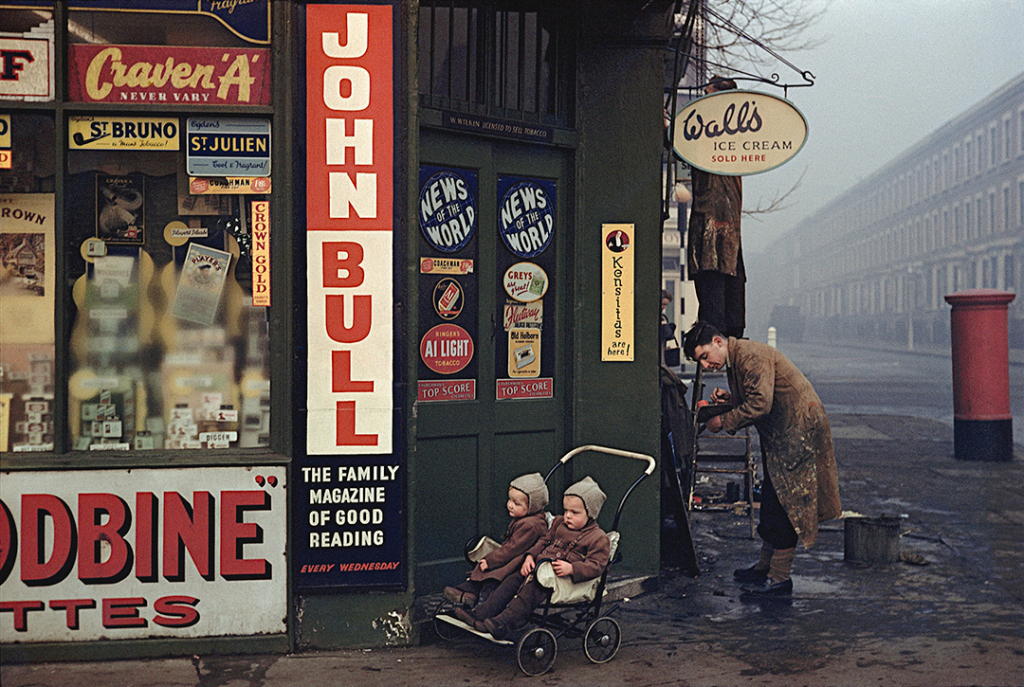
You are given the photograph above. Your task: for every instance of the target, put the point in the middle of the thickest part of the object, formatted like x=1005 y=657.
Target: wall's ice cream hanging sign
x=525 y=282
x=738 y=132
x=526 y=218
x=447 y=209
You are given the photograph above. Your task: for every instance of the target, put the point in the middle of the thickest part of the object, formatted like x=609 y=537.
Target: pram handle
x=612 y=451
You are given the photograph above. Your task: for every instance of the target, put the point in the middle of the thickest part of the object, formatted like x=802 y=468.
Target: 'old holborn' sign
x=739 y=132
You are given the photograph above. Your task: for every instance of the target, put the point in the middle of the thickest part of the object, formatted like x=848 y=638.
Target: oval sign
x=447 y=211
x=525 y=282
x=739 y=132
x=446 y=348
x=527 y=219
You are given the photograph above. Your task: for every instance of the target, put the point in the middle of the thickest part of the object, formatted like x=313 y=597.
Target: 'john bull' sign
x=130 y=554
x=739 y=132
x=526 y=218
x=447 y=207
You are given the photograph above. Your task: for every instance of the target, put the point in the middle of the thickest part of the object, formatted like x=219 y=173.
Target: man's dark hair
x=700 y=334
x=721 y=83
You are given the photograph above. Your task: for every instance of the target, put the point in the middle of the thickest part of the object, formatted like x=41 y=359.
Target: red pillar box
x=982 y=423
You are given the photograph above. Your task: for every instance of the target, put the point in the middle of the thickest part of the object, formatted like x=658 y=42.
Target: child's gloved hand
x=562 y=568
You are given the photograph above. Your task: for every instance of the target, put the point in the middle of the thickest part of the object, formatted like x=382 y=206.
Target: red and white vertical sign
x=350 y=181
x=260 y=253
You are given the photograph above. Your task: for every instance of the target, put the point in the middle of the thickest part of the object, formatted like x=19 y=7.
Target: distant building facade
x=946 y=216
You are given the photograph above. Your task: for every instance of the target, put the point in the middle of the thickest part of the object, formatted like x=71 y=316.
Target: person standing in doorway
x=713 y=251
x=801 y=484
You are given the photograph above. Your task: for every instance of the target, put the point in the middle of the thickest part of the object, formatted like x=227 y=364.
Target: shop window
x=169 y=340
x=27 y=282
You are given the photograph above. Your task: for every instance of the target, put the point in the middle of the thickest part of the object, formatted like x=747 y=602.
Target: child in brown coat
x=527 y=498
x=579 y=549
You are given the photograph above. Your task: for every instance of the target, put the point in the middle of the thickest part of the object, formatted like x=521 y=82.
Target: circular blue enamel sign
x=447 y=211
x=527 y=219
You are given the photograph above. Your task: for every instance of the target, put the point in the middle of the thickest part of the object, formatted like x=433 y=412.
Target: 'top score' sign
x=738 y=132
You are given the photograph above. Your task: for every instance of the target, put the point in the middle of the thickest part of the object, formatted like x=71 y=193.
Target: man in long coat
x=714 y=254
x=801 y=486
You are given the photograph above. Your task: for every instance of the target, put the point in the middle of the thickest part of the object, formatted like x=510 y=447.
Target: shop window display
x=167 y=350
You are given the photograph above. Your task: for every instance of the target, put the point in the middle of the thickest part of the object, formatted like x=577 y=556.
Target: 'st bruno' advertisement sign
x=738 y=132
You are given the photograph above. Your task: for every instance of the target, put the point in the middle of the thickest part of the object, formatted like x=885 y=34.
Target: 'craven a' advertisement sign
x=162 y=74
x=129 y=554
x=738 y=132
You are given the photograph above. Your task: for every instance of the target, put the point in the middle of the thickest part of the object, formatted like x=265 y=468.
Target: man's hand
x=528 y=566
x=720 y=396
x=714 y=424
x=562 y=568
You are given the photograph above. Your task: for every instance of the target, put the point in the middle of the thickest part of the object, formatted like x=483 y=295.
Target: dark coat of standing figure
x=714 y=255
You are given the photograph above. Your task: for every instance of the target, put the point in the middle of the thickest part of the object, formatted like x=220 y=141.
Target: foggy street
x=891 y=382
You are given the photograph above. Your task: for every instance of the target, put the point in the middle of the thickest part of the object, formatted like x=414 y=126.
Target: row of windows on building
x=935 y=230
x=919 y=289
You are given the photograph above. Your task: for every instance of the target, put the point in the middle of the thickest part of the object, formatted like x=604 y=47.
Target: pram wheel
x=602 y=639
x=446 y=631
x=536 y=651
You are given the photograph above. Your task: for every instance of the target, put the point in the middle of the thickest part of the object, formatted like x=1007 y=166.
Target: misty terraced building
x=947 y=215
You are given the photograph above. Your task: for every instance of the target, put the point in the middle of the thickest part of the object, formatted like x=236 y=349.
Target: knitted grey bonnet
x=591 y=495
x=536 y=491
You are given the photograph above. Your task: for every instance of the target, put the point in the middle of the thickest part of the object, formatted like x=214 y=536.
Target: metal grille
x=487 y=58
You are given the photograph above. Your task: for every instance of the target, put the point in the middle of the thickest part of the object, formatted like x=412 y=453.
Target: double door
x=494 y=335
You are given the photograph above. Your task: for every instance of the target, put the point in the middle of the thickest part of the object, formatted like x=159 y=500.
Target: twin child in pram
x=500 y=592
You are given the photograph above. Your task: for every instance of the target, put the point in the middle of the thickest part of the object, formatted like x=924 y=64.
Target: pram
x=572 y=610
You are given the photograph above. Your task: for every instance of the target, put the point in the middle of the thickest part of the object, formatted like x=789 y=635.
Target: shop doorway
x=494 y=334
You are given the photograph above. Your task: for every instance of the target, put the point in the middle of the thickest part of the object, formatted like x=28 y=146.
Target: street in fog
x=890 y=382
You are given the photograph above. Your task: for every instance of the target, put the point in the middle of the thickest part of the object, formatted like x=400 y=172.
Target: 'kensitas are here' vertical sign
x=617 y=292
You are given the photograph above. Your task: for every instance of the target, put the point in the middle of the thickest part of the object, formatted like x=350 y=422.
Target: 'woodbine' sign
x=739 y=132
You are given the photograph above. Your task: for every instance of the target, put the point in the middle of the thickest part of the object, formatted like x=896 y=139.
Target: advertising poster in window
x=524 y=354
x=132 y=554
x=348 y=505
x=448 y=312
x=27 y=290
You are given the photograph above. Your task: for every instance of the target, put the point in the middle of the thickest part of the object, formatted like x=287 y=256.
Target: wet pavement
x=956 y=619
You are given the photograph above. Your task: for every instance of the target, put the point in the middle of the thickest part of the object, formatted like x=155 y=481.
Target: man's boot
x=758 y=571
x=778 y=581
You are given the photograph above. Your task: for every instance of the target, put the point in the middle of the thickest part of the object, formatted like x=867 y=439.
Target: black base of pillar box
x=983 y=440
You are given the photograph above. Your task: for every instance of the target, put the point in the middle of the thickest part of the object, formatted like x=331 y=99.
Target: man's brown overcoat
x=770 y=393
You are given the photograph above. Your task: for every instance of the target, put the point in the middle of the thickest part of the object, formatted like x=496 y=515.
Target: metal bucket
x=871 y=541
